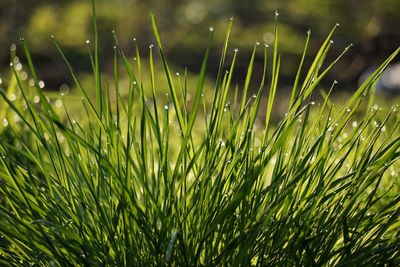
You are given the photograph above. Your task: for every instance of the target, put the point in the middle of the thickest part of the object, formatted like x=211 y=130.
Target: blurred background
x=371 y=25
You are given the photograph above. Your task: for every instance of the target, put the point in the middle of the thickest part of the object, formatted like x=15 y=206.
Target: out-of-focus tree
x=371 y=24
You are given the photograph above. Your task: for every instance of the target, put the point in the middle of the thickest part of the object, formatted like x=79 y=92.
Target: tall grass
x=177 y=181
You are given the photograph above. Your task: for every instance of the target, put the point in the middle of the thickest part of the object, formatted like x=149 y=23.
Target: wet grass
x=150 y=181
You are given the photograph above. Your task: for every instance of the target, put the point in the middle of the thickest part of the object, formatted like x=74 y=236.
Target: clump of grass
x=131 y=183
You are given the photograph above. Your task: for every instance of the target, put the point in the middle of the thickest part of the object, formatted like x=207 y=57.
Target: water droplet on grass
x=16 y=118
x=41 y=84
x=64 y=89
x=24 y=76
x=5 y=123
x=354 y=124
x=166 y=107
x=58 y=103
x=12 y=97
x=211 y=29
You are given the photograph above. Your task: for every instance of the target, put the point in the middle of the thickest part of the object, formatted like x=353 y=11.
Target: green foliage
x=176 y=181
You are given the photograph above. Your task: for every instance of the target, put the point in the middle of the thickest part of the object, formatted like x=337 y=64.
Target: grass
x=177 y=181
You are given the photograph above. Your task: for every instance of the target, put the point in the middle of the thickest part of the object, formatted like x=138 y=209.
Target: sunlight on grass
x=137 y=179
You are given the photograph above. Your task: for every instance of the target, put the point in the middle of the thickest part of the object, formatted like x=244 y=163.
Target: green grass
x=152 y=181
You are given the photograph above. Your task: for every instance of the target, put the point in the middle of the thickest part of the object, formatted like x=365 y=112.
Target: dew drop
x=166 y=107
x=41 y=84
x=64 y=88
x=276 y=13
x=16 y=118
x=24 y=76
x=58 y=103
x=211 y=29
x=236 y=50
x=5 y=122
x=36 y=99
x=354 y=124
x=12 y=97
x=87 y=41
